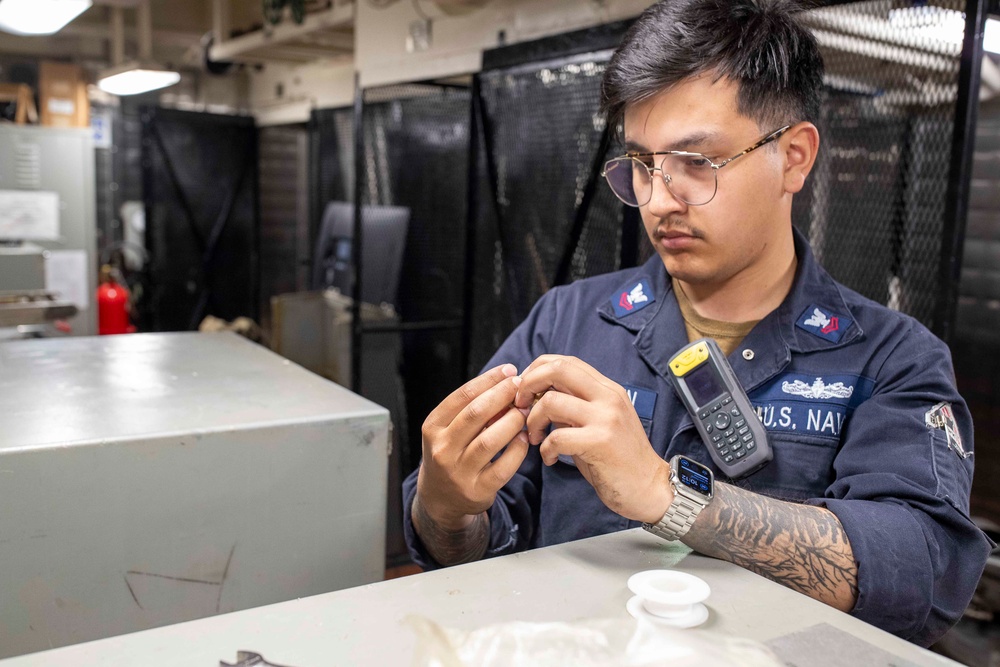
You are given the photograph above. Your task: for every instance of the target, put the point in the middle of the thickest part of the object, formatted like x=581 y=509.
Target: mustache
x=678 y=226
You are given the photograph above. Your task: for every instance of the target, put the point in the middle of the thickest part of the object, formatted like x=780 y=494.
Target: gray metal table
x=578 y=580
x=157 y=478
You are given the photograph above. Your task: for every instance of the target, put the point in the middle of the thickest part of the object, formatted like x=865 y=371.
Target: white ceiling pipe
x=220 y=20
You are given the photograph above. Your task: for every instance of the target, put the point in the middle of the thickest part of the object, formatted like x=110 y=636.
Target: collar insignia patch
x=632 y=298
x=824 y=323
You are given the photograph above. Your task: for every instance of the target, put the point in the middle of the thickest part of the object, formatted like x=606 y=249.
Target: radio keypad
x=728 y=428
x=714 y=417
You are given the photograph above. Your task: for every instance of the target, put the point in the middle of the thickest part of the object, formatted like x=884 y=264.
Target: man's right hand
x=458 y=478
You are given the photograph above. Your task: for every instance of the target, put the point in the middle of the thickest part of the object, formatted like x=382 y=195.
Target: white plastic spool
x=668 y=597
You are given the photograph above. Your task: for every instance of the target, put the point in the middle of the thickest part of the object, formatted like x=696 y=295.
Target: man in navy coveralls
x=866 y=504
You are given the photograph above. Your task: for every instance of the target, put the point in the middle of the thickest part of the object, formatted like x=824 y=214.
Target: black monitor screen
x=704 y=384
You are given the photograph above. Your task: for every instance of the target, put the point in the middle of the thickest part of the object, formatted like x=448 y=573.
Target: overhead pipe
x=220 y=20
x=117 y=36
x=144 y=25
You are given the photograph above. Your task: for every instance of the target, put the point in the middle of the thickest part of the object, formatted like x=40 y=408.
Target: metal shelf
x=322 y=35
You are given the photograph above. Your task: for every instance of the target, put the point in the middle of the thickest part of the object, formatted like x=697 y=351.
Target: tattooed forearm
x=449 y=547
x=800 y=546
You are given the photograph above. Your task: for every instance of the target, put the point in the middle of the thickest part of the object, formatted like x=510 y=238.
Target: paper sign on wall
x=29 y=215
x=66 y=275
x=100 y=127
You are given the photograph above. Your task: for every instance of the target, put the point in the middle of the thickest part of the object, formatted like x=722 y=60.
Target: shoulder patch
x=632 y=298
x=824 y=323
x=942 y=417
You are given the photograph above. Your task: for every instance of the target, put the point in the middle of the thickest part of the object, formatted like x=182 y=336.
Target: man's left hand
x=597 y=426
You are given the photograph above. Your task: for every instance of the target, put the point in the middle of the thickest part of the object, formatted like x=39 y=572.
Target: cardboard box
x=63 y=95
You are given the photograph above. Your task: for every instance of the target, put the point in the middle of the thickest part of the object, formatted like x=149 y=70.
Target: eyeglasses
x=691 y=177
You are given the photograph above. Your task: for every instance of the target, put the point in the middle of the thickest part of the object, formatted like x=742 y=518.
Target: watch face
x=694 y=476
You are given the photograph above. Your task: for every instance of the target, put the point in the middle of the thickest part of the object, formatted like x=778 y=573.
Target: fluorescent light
x=943 y=25
x=135 y=79
x=39 y=17
x=991 y=36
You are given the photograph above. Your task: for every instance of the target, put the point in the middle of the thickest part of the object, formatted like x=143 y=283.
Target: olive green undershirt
x=728 y=335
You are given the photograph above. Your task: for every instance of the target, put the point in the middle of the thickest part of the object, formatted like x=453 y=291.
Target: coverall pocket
x=802 y=467
x=952 y=473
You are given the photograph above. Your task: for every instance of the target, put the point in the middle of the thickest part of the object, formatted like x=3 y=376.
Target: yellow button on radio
x=688 y=359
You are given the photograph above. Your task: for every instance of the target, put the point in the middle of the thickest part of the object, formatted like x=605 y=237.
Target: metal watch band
x=677 y=520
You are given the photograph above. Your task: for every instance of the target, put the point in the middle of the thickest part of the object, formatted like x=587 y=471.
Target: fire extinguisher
x=112 y=305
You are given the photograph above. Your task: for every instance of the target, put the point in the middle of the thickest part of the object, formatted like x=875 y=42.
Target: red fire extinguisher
x=112 y=305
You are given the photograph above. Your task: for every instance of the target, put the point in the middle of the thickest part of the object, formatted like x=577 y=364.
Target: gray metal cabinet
x=62 y=161
x=150 y=479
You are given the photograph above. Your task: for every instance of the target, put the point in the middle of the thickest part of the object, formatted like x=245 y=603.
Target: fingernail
x=516 y=380
x=524 y=411
x=523 y=437
x=509 y=370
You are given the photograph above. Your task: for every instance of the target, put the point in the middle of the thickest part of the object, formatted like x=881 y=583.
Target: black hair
x=758 y=44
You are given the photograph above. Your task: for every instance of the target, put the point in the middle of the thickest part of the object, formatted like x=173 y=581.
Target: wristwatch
x=693 y=485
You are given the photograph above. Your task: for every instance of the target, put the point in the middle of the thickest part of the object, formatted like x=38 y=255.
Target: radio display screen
x=704 y=384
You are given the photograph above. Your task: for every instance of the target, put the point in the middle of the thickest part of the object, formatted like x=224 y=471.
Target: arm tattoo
x=449 y=547
x=800 y=546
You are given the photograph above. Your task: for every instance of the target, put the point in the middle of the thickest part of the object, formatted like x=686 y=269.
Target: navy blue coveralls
x=851 y=395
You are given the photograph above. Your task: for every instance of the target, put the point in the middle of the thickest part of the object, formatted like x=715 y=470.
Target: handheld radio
x=723 y=415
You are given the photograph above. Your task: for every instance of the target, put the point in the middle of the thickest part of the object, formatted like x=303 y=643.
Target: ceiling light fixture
x=991 y=36
x=39 y=17
x=943 y=25
x=136 y=76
